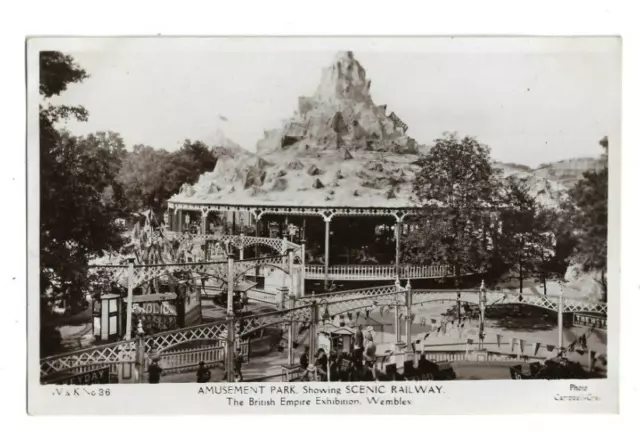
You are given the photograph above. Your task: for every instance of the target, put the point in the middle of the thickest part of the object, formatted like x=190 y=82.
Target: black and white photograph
x=299 y=216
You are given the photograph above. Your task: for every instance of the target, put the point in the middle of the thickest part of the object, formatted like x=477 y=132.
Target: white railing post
x=560 y=318
x=130 y=283
x=241 y=246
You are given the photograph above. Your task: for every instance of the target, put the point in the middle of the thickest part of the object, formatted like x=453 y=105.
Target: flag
x=499 y=339
x=550 y=348
x=572 y=346
x=579 y=351
x=522 y=343
x=433 y=320
x=513 y=343
x=536 y=347
x=469 y=341
x=426 y=335
x=357 y=315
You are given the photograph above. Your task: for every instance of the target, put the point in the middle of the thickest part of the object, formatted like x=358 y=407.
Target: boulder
x=256 y=190
x=390 y=194
x=356 y=193
x=295 y=165
x=313 y=170
x=317 y=184
x=255 y=177
x=374 y=166
x=346 y=155
x=213 y=188
x=280 y=184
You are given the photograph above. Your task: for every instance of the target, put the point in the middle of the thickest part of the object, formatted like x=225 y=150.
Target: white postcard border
x=468 y=396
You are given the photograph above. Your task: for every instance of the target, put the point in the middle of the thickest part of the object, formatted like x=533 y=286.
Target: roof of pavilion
x=290 y=178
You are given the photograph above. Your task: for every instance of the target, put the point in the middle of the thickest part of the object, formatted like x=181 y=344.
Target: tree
x=588 y=202
x=150 y=177
x=79 y=195
x=527 y=244
x=144 y=178
x=457 y=188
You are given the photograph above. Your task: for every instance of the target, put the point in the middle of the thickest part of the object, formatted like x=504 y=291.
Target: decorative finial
x=482 y=287
x=408 y=284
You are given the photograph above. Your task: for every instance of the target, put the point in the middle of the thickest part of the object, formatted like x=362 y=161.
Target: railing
x=262 y=296
x=375 y=272
x=185 y=360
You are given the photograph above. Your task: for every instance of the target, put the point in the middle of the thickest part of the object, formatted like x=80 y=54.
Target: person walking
x=154 y=372
x=237 y=365
x=203 y=374
x=304 y=363
x=358 y=344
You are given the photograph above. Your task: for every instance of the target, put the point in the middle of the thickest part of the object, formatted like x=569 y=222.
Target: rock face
x=340 y=114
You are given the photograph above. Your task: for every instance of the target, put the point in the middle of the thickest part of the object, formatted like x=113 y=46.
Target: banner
x=522 y=343
x=499 y=339
x=550 y=348
x=513 y=343
x=536 y=347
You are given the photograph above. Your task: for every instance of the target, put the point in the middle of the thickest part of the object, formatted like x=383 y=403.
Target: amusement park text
x=292 y=395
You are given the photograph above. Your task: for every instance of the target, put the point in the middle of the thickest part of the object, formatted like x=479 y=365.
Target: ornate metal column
x=327 y=226
x=398 y=329
x=291 y=331
x=398 y=225
x=303 y=268
x=241 y=246
x=231 y=324
x=312 y=328
x=409 y=315
x=483 y=304
x=130 y=287
x=560 y=318
x=203 y=221
x=179 y=215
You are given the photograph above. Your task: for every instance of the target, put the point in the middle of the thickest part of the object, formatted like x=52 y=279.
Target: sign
x=324 y=342
x=590 y=321
x=98 y=376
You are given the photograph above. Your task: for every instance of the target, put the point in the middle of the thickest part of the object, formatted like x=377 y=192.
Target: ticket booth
x=107 y=317
x=335 y=338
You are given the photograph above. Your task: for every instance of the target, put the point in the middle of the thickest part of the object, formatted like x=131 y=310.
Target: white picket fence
x=375 y=272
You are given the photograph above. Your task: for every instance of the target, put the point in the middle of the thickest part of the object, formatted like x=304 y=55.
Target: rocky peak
x=341 y=115
x=345 y=79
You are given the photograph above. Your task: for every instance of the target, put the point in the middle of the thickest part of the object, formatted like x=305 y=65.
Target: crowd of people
x=357 y=364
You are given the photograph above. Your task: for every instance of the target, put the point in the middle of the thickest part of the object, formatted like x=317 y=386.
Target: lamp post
x=483 y=305
x=140 y=351
x=326 y=316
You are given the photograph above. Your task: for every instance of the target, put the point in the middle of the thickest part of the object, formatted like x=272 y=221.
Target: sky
x=531 y=101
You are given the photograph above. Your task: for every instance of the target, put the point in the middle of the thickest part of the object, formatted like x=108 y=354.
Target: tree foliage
x=150 y=177
x=526 y=242
x=458 y=189
x=79 y=195
x=588 y=206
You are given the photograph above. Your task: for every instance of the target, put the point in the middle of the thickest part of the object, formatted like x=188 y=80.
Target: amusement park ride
x=164 y=277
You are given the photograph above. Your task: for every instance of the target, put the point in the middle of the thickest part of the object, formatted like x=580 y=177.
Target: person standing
x=237 y=365
x=203 y=374
x=358 y=345
x=154 y=372
x=304 y=363
x=370 y=355
x=321 y=364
